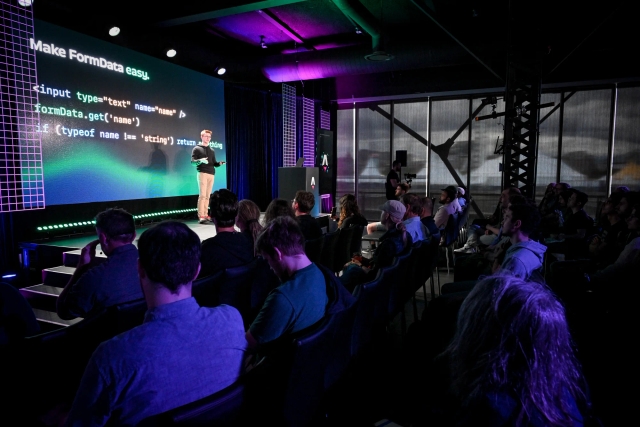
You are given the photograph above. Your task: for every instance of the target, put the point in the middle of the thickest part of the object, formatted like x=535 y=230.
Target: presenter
x=204 y=158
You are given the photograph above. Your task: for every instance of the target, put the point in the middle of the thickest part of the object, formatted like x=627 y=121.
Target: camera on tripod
x=408 y=177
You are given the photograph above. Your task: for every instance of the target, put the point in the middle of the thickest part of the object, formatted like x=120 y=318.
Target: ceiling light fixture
x=378 y=56
x=262 y=43
x=171 y=53
x=220 y=70
x=25 y=3
x=358 y=30
x=114 y=31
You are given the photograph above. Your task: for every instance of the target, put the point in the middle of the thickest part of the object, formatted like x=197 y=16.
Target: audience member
x=248 y=219
x=446 y=198
x=277 y=208
x=401 y=190
x=579 y=223
x=302 y=204
x=301 y=299
x=181 y=353
x=228 y=248
x=484 y=230
x=525 y=256
x=426 y=217
x=416 y=229
x=461 y=199
x=350 y=212
x=609 y=242
x=393 y=179
x=95 y=286
x=392 y=243
x=511 y=359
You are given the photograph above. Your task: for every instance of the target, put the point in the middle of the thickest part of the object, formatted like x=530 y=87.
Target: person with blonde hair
x=511 y=359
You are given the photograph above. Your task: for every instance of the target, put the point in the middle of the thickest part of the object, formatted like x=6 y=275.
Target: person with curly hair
x=350 y=212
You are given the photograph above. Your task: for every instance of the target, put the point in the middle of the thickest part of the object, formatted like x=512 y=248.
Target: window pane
x=415 y=116
x=585 y=144
x=374 y=162
x=547 y=163
x=626 y=152
x=345 y=151
x=486 y=178
x=446 y=118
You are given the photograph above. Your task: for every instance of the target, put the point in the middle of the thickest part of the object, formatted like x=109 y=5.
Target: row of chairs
x=318 y=358
x=454 y=233
x=333 y=250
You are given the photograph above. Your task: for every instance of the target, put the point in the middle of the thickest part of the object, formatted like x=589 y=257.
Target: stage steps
x=43 y=297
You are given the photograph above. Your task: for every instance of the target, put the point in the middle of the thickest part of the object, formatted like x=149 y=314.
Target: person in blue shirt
x=181 y=353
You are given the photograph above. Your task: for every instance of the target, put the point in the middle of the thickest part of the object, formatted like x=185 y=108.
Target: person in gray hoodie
x=525 y=256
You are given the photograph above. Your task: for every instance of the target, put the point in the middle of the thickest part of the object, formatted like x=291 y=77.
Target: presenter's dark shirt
x=200 y=151
x=309 y=226
x=390 y=190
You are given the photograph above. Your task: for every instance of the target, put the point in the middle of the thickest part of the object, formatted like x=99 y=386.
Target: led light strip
x=92 y=222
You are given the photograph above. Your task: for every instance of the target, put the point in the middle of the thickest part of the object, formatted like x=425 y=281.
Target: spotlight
x=262 y=43
x=220 y=70
x=171 y=53
x=114 y=31
x=358 y=30
x=25 y=3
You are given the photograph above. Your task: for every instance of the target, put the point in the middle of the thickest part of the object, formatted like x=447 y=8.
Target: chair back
x=206 y=290
x=319 y=359
x=264 y=281
x=390 y=275
x=313 y=249
x=400 y=285
x=235 y=288
x=221 y=409
x=450 y=232
x=343 y=248
x=356 y=240
x=329 y=249
x=364 y=323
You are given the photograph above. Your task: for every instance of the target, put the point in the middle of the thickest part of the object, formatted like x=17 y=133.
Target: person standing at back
x=393 y=179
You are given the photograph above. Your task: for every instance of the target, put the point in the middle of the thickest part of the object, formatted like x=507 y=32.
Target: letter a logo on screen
x=313 y=182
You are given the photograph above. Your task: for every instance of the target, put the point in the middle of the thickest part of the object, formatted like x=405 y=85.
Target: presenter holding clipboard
x=204 y=158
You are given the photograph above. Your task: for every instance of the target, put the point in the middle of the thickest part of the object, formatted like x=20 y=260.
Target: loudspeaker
x=401 y=156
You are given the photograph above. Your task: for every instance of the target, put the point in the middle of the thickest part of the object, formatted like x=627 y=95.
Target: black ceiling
x=437 y=45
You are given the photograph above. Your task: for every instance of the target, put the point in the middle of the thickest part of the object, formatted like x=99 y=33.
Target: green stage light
x=39 y=228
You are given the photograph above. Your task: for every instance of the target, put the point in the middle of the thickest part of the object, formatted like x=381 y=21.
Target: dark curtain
x=254 y=143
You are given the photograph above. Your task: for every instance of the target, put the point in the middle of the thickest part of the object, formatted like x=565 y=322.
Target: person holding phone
x=204 y=158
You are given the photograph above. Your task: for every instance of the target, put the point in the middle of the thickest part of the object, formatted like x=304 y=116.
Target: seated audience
x=98 y=285
x=461 y=200
x=547 y=204
x=278 y=207
x=302 y=204
x=483 y=231
x=609 y=242
x=511 y=360
x=454 y=199
x=248 y=219
x=416 y=229
x=579 y=223
x=301 y=299
x=426 y=217
x=392 y=243
x=350 y=212
x=448 y=208
x=181 y=353
x=228 y=248
x=525 y=256
x=401 y=190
